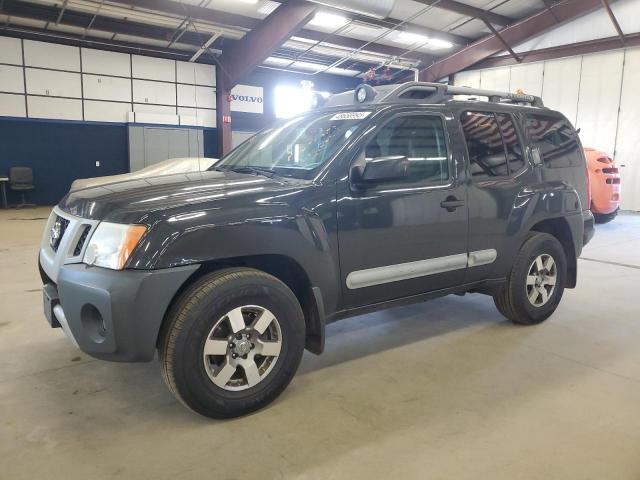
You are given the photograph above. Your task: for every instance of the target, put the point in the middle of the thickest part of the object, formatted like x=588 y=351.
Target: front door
x=399 y=238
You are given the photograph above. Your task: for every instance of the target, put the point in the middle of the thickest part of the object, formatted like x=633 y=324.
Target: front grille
x=610 y=170
x=57 y=232
x=83 y=238
x=613 y=181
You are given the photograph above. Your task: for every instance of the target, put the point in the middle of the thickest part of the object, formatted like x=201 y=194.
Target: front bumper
x=113 y=315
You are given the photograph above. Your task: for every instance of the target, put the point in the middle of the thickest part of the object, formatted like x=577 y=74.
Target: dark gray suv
x=381 y=197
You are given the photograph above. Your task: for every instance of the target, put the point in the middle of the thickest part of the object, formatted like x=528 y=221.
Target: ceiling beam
x=248 y=23
x=571 y=50
x=614 y=20
x=501 y=38
x=513 y=35
x=244 y=55
x=17 y=8
x=469 y=11
x=392 y=23
x=76 y=40
x=218 y=17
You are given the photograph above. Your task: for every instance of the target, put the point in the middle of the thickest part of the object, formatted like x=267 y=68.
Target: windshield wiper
x=268 y=172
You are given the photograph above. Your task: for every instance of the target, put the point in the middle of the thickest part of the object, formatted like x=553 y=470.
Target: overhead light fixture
x=436 y=44
x=325 y=19
x=410 y=38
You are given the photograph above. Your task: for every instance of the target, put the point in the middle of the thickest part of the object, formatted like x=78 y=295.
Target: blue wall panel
x=60 y=152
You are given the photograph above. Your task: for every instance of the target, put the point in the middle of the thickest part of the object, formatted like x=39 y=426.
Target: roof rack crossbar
x=442 y=92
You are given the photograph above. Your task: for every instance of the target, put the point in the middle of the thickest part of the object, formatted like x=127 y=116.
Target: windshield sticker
x=350 y=116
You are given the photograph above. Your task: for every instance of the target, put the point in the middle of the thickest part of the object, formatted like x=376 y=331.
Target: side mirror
x=380 y=170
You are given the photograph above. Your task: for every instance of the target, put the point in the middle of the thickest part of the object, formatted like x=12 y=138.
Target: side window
x=512 y=145
x=484 y=143
x=556 y=139
x=421 y=139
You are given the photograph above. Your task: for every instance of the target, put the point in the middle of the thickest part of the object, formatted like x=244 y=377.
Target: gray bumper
x=114 y=315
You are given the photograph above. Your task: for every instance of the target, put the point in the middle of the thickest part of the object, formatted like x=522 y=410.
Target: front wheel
x=233 y=343
x=536 y=282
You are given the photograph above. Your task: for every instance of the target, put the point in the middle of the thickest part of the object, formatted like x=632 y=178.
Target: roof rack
x=425 y=92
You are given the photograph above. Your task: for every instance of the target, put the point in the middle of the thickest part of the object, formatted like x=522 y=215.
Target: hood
x=133 y=201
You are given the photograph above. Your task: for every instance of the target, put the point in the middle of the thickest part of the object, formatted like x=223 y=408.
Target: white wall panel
x=599 y=99
x=627 y=151
x=196 y=96
x=208 y=117
x=467 y=79
x=106 y=88
x=186 y=95
x=205 y=74
x=154 y=92
x=52 y=83
x=205 y=97
x=153 y=68
x=10 y=50
x=495 y=79
x=11 y=79
x=49 y=55
x=196 y=73
x=197 y=117
x=159 y=109
x=107 y=63
x=12 y=105
x=106 y=111
x=59 y=108
x=561 y=85
x=527 y=77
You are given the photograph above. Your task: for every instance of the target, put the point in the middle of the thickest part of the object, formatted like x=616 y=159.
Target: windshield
x=297 y=147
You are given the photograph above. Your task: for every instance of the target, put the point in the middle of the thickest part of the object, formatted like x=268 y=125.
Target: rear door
x=499 y=170
x=404 y=237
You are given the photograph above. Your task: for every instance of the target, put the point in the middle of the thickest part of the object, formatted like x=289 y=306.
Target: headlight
x=112 y=243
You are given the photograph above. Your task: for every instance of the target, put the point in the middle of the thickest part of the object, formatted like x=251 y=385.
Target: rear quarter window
x=556 y=140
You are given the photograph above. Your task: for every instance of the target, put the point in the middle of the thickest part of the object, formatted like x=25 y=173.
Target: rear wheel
x=605 y=217
x=233 y=343
x=535 y=285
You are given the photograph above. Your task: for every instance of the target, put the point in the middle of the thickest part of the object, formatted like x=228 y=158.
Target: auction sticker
x=350 y=116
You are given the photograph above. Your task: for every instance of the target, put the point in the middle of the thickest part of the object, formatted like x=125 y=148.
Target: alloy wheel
x=541 y=280
x=242 y=348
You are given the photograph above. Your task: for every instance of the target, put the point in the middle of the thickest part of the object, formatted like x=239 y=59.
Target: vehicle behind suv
x=381 y=197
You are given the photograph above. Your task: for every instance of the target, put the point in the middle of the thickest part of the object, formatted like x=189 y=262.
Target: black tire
x=605 y=217
x=190 y=321
x=512 y=301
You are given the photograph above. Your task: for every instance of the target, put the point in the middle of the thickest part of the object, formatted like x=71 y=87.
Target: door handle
x=451 y=203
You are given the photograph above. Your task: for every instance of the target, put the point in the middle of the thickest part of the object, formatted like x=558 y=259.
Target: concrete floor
x=446 y=389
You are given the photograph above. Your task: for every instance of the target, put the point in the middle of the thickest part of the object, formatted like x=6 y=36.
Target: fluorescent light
x=324 y=19
x=409 y=38
x=436 y=43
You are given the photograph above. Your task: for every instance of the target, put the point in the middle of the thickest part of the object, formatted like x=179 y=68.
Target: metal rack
x=425 y=92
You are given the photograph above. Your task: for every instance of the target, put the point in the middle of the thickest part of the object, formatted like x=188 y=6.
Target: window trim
x=412 y=186
x=519 y=135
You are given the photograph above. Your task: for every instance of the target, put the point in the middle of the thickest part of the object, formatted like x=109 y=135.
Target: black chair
x=21 y=180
